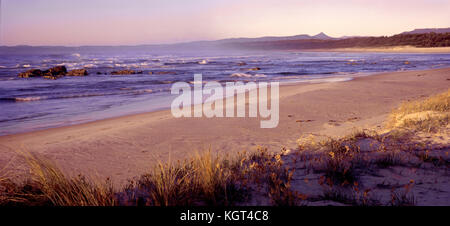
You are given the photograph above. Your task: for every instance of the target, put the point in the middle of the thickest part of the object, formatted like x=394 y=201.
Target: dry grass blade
x=61 y=190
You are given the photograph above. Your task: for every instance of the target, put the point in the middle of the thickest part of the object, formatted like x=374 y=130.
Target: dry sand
x=124 y=147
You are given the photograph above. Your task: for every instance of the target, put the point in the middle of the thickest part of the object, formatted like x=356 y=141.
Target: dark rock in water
x=165 y=73
x=124 y=72
x=56 y=71
x=99 y=73
x=52 y=77
x=52 y=73
x=31 y=73
x=77 y=72
x=162 y=73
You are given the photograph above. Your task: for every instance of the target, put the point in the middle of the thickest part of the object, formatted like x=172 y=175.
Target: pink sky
x=130 y=22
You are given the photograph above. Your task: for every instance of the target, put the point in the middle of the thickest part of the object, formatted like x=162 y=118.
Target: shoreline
x=136 y=112
x=126 y=146
x=337 y=78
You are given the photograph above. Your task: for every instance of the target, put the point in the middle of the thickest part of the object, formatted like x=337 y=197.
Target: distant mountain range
x=321 y=36
x=298 y=38
x=425 y=37
x=420 y=40
x=427 y=30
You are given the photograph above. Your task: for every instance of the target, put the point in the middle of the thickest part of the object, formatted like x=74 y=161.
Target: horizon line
x=212 y=40
x=171 y=43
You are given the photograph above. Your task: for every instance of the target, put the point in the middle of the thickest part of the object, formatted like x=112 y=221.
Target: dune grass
x=203 y=180
x=403 y=197
x=342 y=162
x=208 y=180
x=423 y=115
x=48 y=185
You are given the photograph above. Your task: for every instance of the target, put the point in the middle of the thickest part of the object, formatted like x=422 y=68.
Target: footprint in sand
x=302 y=121
x=307 y=120
x=352 y=119
x=332 y=123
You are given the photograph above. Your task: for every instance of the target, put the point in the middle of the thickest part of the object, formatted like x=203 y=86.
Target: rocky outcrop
x=53 y=73
x=162 y=73
x=56 y=71
x=31 y=73
x=126 y=72
x=78 y=72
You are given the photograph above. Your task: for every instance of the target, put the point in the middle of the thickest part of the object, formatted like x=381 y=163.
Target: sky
x=134 y=22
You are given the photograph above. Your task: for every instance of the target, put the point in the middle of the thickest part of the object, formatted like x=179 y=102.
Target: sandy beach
x=124 y=147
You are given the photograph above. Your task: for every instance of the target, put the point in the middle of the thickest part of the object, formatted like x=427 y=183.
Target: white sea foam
x=245 y=75
x=260 y=75
x=89 y=66
x=25 y=99
x=197 y=82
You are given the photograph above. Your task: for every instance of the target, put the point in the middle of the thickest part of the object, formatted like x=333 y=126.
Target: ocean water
x=36 y=103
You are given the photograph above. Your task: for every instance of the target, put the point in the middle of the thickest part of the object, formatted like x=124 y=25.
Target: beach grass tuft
x=427 y=115
x=49 y=186
x=61 y=190
x=203 y=180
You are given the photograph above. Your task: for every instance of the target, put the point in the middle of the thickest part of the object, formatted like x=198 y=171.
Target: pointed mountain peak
x=322 y=35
